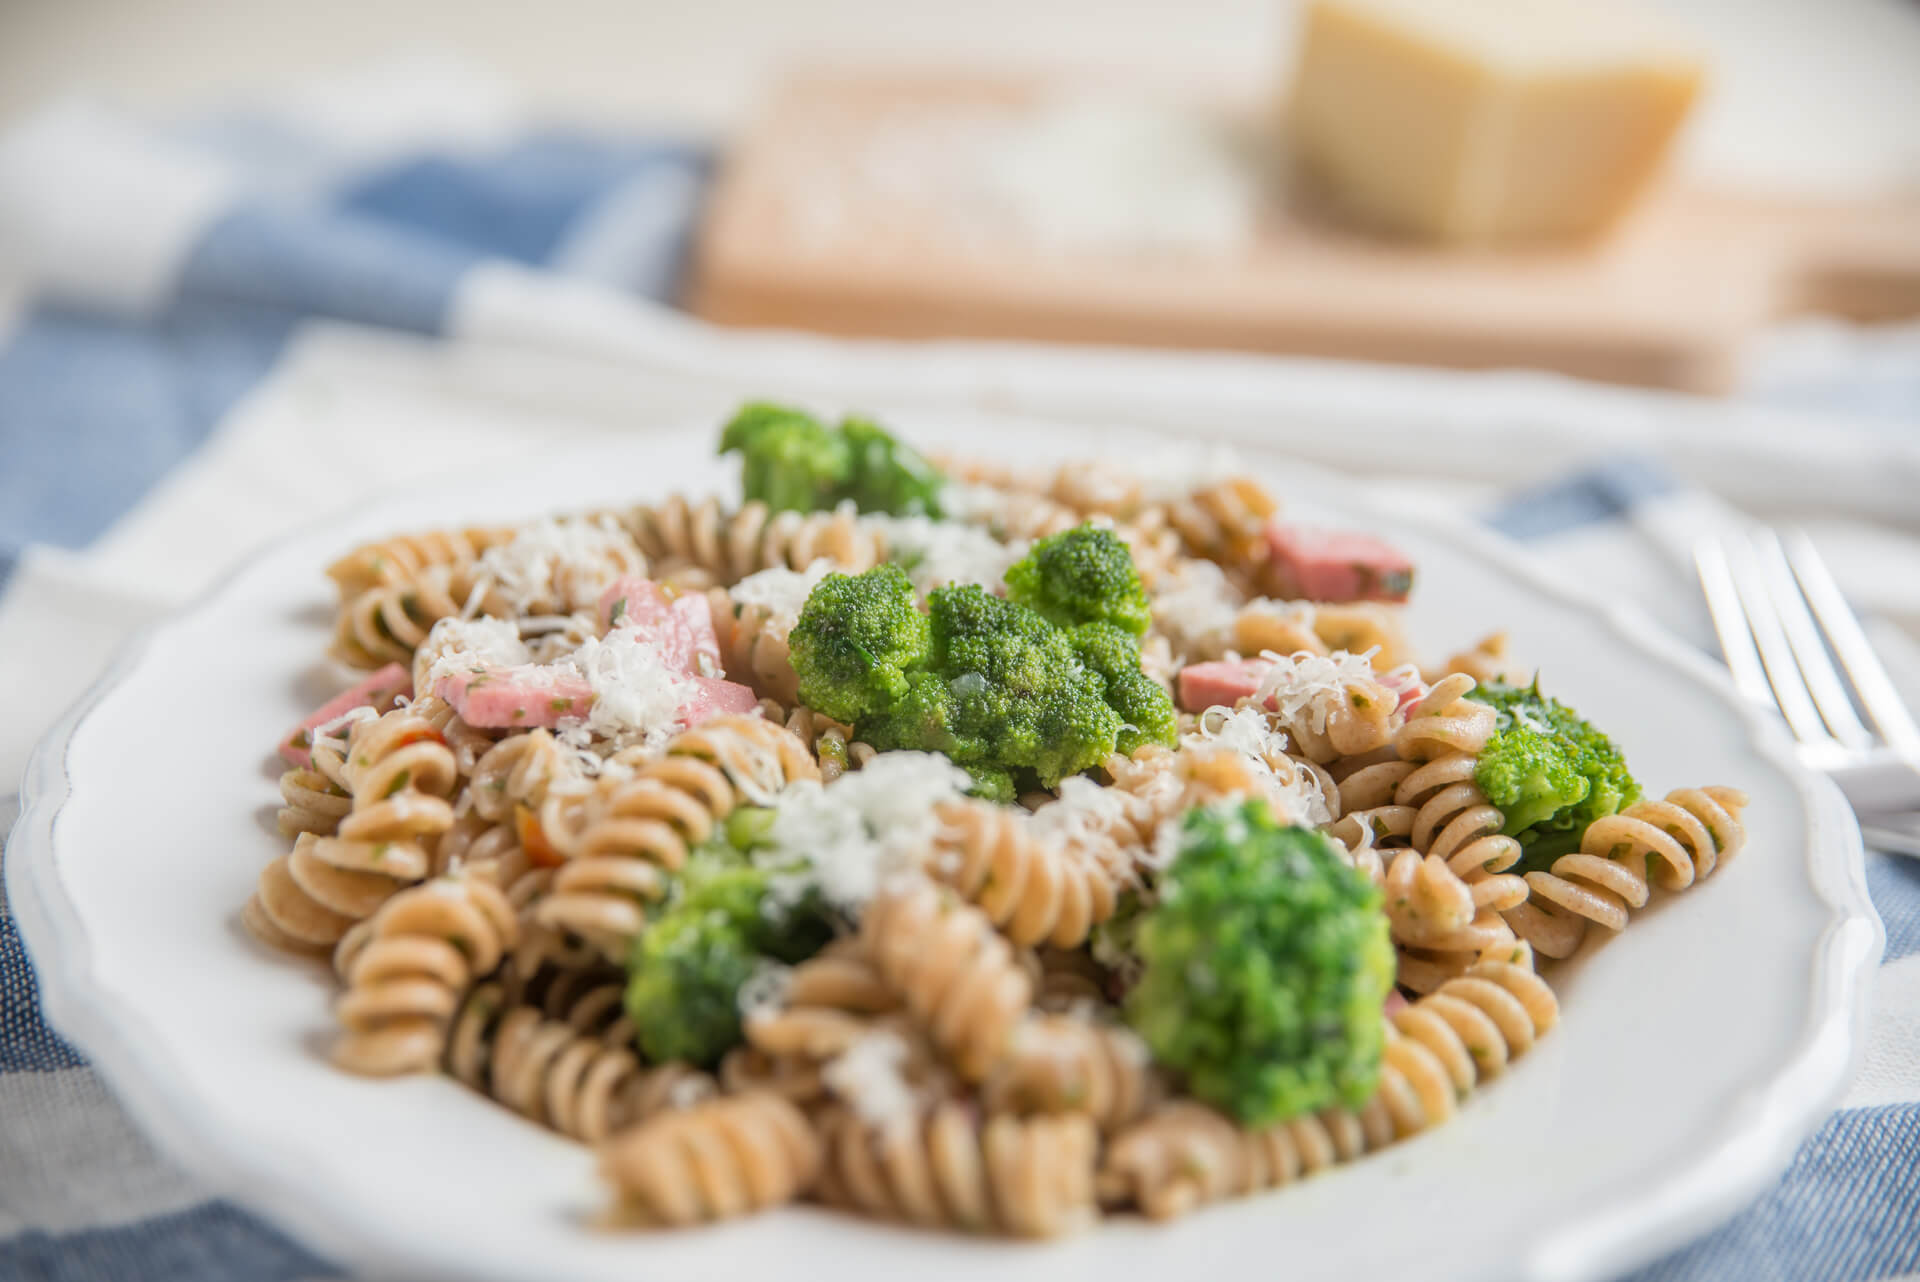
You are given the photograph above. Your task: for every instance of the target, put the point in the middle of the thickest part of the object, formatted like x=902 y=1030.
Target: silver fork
x=1782 y=622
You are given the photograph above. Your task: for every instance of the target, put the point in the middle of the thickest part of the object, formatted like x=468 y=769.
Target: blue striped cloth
x=175 y=273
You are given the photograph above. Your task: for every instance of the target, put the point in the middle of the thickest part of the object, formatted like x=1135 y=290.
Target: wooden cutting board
x=815 y=224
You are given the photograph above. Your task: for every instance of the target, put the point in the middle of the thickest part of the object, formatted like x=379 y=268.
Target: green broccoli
x=888 y=474
x=1549 y=770
x=1265 y=966
x=856 y=639
x=721 y=925
x=1145 y=707
x=791 y=461
x=1082 y=575
x=989 y=683
x=1004 y=690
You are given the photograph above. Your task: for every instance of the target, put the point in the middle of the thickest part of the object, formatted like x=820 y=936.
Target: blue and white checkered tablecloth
x=164 y=278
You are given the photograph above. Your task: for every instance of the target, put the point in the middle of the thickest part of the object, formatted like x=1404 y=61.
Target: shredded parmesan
x=847 y=835
x=765 y=989
x=1290 y=789
x=870 y=1076
x=636 y=694
x=780 y=591
x=935 y=553
x=461 y=646
x=1311 y=684
x=563 y=563
x=1084 y=813
x=1197 y=607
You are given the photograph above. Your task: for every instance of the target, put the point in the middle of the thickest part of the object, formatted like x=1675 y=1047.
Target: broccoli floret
x=1017 y=695
x=1082 y=575
x=1265 y=966
x=1549 y=770
x=855 y=641
x=793 y=461
x=1145 y=707
x=987 y=681
x=687 y=966
x=889 y=475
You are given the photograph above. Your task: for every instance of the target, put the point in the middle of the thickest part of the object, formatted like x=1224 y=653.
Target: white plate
x=1693 y=1055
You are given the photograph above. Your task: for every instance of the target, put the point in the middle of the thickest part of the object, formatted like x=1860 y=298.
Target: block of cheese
x=1487 y=120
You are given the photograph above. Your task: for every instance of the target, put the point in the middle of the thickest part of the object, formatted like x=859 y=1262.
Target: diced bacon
x=681 y=625
x=1395 y=1003
x=520 y=697
x=1220 y=682
x=1306 y=562
x=378 y=692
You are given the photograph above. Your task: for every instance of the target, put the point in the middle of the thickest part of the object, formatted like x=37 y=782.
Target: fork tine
x=1730 y=622
x=1809 y=651
x=1870 y=680
x=1776 y=654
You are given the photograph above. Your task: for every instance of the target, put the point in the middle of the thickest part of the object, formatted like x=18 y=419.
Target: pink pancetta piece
x=520 y=697
x=377 y=692
x=714 y=698
x=1314 y=564
x=528 y=696
x=681 y=625
x=1220 y=682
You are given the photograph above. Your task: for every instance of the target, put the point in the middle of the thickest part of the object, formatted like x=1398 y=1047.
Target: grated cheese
x=781 y=592
x=765 y=989
x=460 y=646
x=847 y=835
x=1311 y=684
x=636 y=693
x=870 y=1076
x=563 y=563
x=1084 y=813
x=1196 y=606
x=935 y=553
x=1293 y=792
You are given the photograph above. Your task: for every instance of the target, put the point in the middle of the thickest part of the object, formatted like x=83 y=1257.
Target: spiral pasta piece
x=387 y=622
x=728 y=546
x=831 y=1001
x=317 y=796
x=1467 y=1030
x=520 y=772
x=1672 y=843
x=1225 y=522
x=1185 y=1155
x=1486 y=660
x=1361 y=719
x=1071 y=1064
x=717 y=1160
x=1034 y=890
x=753 y=646
x=1453 y=821
x=835 y=750
x=957 y=975
x=564 y=1073
x=403 y=557
x=621 y=840
x=1025 y=1177
x=407 y=967
x=399 y=772
x=1016 y=516
x=1445 y=720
